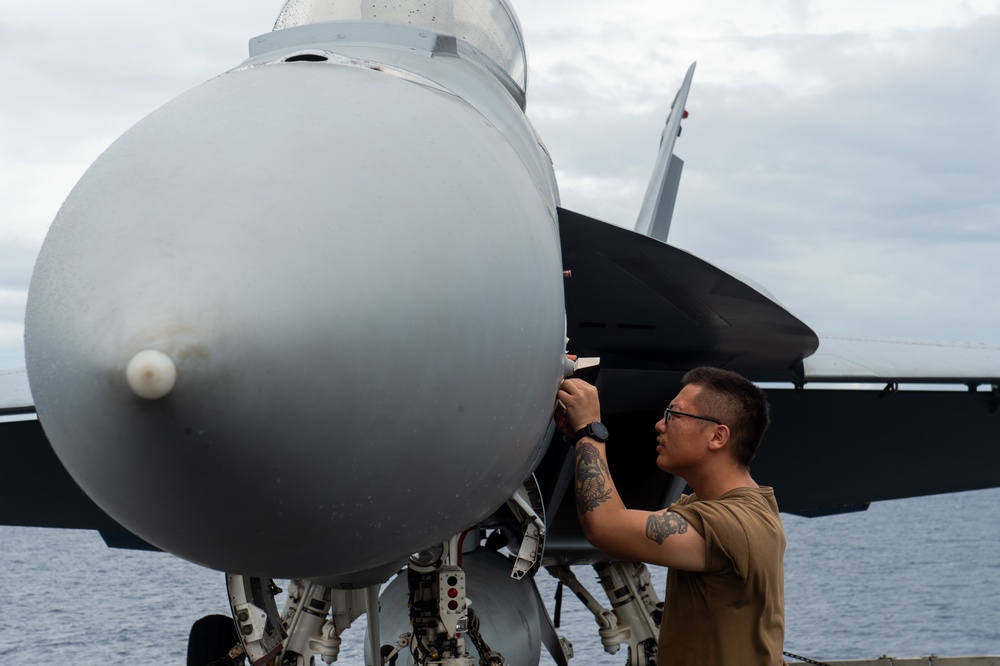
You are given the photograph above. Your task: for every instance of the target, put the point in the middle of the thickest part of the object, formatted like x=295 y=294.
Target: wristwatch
x=594 y=430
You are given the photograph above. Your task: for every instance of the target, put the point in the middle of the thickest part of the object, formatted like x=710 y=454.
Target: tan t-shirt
x=733 y=613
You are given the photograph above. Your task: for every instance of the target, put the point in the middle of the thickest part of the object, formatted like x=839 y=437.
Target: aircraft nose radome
x=282 y=330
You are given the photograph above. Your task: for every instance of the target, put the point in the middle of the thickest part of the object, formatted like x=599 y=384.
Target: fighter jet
x=307 y=321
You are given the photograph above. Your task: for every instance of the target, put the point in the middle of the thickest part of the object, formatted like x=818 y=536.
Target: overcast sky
x=844 y=154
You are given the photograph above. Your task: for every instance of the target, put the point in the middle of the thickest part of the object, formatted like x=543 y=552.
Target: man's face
x=682 y=441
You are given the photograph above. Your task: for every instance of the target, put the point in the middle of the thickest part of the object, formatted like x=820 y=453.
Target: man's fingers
x=570 y=385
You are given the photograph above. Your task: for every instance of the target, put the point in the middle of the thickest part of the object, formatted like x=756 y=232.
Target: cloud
x=844 y=159
x=11 y=329
x=855 y=177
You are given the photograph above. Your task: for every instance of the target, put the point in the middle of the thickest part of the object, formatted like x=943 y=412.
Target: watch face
x=599 y=431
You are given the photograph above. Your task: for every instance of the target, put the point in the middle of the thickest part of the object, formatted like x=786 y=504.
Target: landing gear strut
x=439 y=608
x=637 y=610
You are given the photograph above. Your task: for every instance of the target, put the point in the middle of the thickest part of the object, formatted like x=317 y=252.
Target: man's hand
x=578 y=406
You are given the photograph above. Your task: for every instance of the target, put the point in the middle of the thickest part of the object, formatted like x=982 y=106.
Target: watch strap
x=596 y=431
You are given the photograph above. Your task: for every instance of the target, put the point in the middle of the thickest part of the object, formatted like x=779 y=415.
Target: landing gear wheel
x=211 y=639
x=386 y=651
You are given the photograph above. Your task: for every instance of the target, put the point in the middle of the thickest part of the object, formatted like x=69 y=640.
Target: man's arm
x=663 y=538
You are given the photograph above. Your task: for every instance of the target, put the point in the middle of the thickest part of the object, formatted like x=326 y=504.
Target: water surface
x=906 y=578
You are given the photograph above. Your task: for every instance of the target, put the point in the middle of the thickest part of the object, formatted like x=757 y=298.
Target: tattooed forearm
x=591 y=478
x=660 y=526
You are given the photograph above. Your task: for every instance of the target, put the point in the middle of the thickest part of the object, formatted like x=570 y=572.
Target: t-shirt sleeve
x=726 y=544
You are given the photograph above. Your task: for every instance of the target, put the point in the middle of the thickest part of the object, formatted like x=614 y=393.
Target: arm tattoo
x=591 y=478
x=660 y=526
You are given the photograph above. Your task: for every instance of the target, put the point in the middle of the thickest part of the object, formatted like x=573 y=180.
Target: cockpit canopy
x=489 y=25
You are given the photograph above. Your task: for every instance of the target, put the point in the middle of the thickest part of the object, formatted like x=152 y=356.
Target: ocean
x=906 y=578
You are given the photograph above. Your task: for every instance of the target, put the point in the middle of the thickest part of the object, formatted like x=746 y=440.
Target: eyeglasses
x=667 y=413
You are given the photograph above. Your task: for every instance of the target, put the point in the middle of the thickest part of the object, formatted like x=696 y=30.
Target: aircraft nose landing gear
x=438 y=607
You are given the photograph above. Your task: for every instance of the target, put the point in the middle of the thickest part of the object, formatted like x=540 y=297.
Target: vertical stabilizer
x=658 y=206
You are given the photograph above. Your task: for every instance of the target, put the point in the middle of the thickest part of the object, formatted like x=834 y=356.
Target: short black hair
x=737 y=402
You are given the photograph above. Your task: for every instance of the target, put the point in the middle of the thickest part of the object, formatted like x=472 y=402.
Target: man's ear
x=720 y=437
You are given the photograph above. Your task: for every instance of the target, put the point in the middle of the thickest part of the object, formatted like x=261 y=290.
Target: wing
x=38 y=491
x=15 y=394
x=651 y=312
x=886 y=442
x=639 y=303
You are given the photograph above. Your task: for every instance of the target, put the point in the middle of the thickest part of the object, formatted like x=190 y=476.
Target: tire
x=211 y=639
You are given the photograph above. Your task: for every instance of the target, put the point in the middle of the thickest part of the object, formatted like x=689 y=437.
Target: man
x=724 y=544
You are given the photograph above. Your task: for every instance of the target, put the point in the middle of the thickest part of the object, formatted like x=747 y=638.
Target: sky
x=841 y=154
